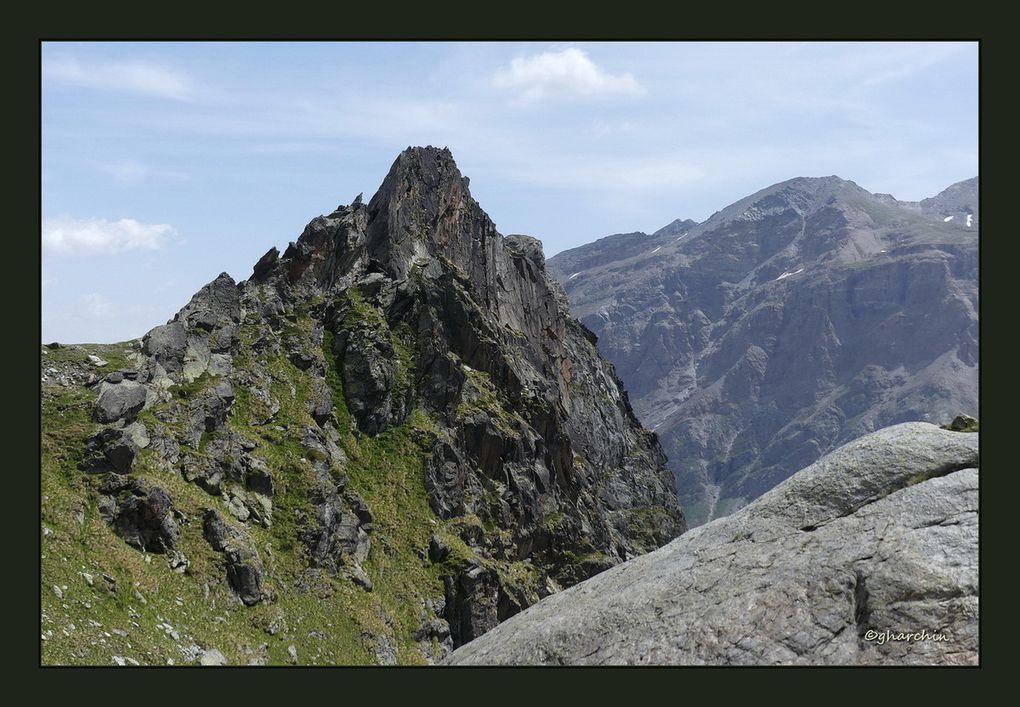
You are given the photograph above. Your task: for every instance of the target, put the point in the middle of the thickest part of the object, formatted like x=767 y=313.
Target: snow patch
x=947 y=219
x=656 y=250
x=573 y=276
x=788 y=274
x=679 y=239
x=970 y=220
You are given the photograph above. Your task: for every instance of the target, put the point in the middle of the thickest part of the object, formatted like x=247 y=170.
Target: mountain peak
x=405 y=387
x=960 y=198
x=676 y=227
x=425 y=155
x=817 y=186
x=423 y=168
x=424 y=209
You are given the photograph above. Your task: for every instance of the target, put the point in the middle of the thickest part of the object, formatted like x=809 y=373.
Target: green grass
x=329 y=619
x=387 y=471
x=479 y=395
x=402 y=340
x=117 y=356
x=335 y=382
x=554 y=520
x=360 y=313
x=645 y=523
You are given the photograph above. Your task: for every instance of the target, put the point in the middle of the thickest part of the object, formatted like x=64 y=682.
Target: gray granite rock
x=846 y=562
x=118 y=401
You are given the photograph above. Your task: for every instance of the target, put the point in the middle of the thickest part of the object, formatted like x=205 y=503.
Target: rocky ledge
x=868 y=556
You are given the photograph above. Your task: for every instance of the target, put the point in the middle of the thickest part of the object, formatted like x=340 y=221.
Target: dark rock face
x=368 y=373
x=209 y=410
x=434 y=309
x=477 y=603
x=340 y=537
x=244 y=567
x=141 y=513
x=867 y=557
x=791 y=322
x=110 y=449
x=408 y=333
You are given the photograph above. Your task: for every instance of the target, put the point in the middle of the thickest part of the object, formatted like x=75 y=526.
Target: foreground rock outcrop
x=868 y=556
x=787 y=324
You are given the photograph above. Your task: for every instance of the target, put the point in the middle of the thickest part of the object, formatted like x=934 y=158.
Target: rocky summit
x=793 y=321
x=387 y=440
x=867 y=557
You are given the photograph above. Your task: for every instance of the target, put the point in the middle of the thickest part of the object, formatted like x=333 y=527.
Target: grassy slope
x=326 y=624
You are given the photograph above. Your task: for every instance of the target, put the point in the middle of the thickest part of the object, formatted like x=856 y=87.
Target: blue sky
x=165 y=164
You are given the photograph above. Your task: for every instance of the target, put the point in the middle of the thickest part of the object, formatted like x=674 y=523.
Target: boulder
x=212 y=656
x=166 y=344
x=962 y=423
x=244 y=566
x=138 y=434
x=216 y=304
x=118 y=401
x=140 y=512
x=868 y=556
x=110 y=449
x=209 y=410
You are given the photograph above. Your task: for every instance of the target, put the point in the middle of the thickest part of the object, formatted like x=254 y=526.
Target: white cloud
x=126 y=76
x=565 y=73
x=126 y=172
x=70 y=236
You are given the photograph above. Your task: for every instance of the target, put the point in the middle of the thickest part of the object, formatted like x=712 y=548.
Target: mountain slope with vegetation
x=390 y=438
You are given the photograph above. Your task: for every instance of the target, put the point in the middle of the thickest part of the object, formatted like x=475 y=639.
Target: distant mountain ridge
x=794 y=320
x=612 y=248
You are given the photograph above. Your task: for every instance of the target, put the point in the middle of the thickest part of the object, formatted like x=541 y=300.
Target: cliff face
x=790 y=322
x=395 y=424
